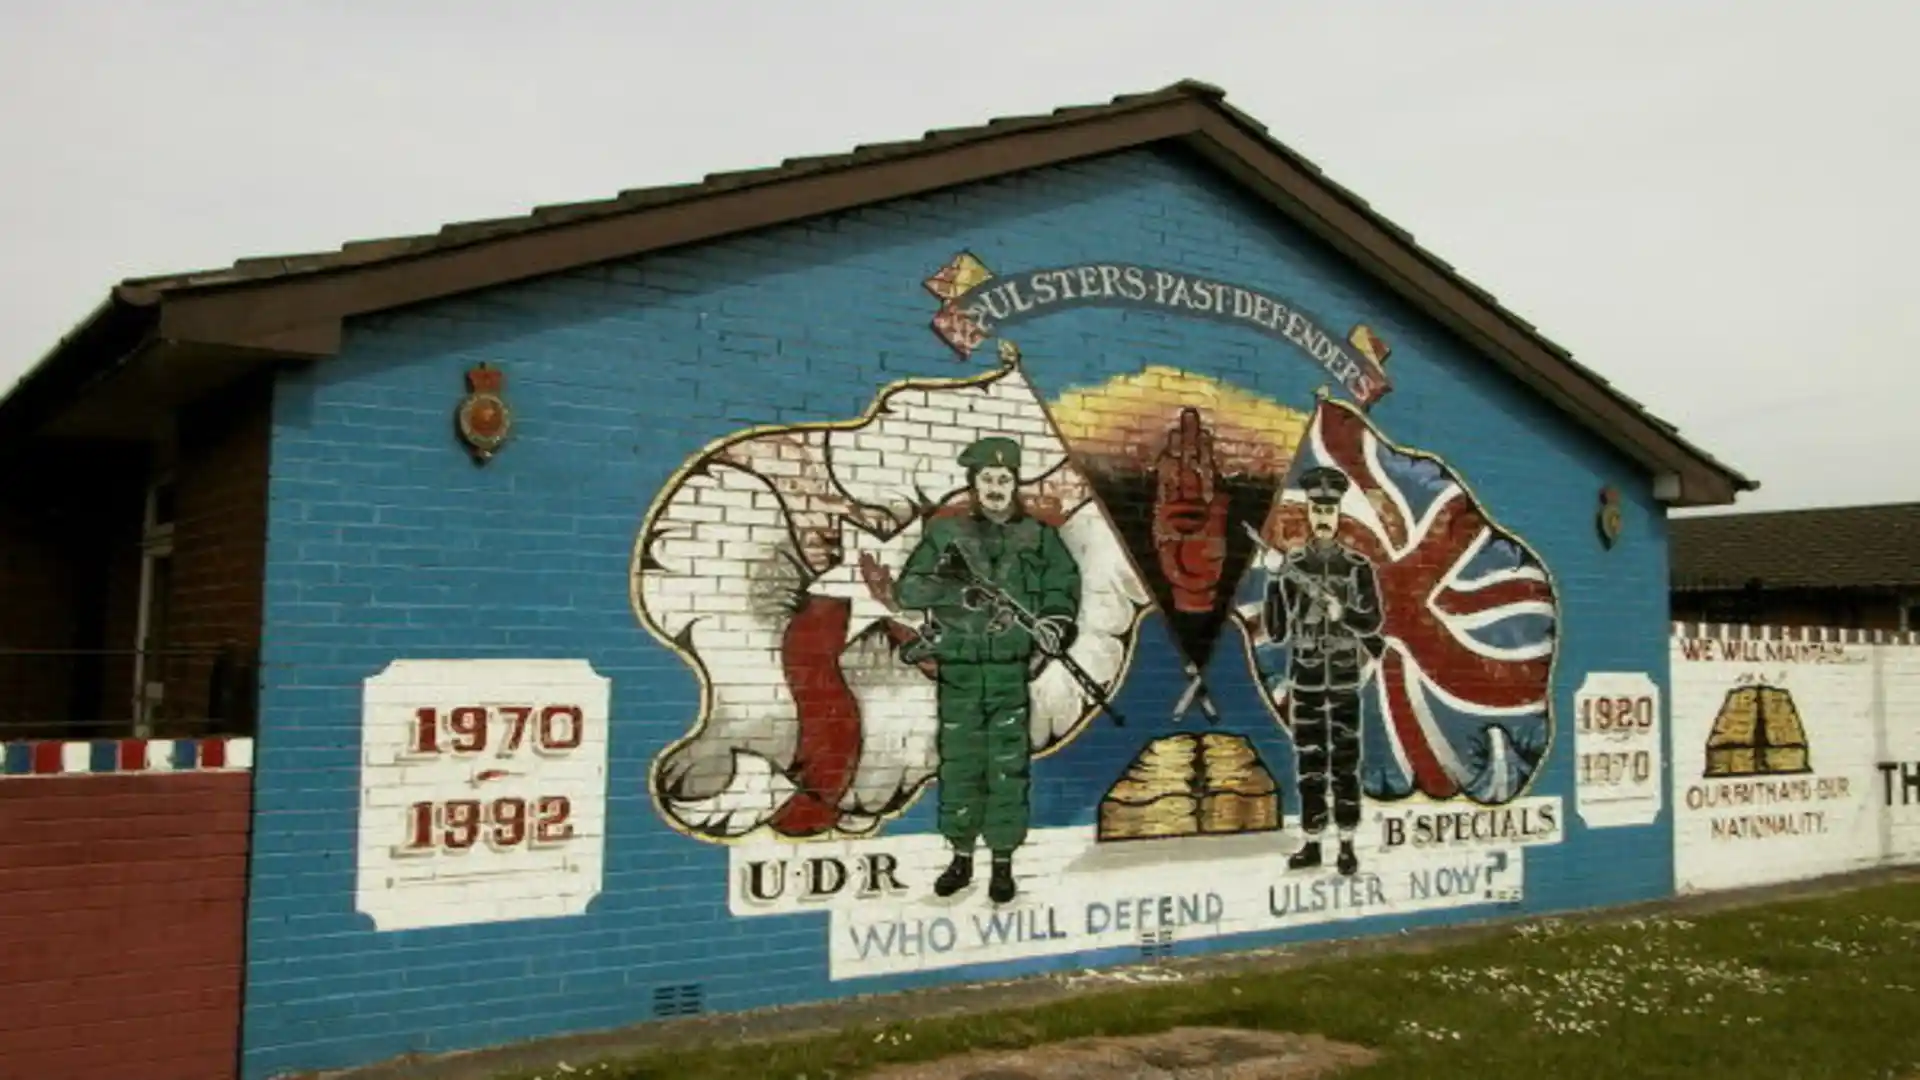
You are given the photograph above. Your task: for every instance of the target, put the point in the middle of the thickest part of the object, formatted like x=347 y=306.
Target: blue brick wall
x=386 y=542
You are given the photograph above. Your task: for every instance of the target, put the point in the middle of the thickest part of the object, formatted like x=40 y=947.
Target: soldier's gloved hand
x=1273 y=561
x=1055 y=633
x=1335 y=612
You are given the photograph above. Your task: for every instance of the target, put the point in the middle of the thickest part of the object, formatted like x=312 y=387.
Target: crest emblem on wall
x=483 y=419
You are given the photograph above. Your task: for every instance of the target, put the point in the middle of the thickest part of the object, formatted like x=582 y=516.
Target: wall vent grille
x=680 y=1000
x=1156 y=944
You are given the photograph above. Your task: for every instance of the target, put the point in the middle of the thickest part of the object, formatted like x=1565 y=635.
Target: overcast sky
x=1716 y=205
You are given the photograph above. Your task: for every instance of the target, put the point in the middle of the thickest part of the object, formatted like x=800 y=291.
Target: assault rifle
x=1322 y=597
x=977 y=593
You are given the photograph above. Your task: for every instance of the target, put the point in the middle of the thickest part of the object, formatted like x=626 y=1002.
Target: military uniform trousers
x=985 y=762
x=1326 y=737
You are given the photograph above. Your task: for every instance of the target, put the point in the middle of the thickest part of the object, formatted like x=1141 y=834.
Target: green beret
x=993 y=450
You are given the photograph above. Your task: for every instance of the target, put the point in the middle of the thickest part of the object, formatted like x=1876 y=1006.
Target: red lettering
x=463 y=819
x=468 y=729
x=509 y=820
x=1616 y=714
x=420 y=819
x=468 y=726
x=554 y=827
x=561 y=728
x=426 y=731
x=506 y=824
x=517 y=717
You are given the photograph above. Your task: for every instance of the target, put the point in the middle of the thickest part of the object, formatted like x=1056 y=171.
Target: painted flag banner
x=1459 y=703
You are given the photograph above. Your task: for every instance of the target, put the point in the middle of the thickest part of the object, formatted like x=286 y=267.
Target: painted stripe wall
x=41 y=758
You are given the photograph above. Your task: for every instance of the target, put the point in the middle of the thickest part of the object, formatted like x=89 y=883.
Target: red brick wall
x=219 y=542
x=122 y=915
x=70 y=570
x=37 y=580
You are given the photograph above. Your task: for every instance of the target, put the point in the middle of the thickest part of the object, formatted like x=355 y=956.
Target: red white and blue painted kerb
x=99 y=757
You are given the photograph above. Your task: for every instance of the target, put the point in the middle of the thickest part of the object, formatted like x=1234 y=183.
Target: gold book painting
x=1211 y=784
x=1758 y=732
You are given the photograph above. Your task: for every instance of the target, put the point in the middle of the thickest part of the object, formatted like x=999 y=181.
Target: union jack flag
x=1459 y=703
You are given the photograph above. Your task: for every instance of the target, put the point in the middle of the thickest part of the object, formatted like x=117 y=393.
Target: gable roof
x=1835 y=547
x=294 y=305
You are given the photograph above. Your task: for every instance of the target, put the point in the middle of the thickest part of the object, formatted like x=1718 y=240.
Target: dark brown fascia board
x=109 y=338
x=302 y=315
x=252 y=312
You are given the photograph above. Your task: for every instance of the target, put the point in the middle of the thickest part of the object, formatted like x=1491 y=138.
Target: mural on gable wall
x=950 y=592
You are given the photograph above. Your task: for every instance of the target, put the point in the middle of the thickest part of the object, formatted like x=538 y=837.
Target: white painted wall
x=483 y=789
x=1897 y=793
x=1858 y=700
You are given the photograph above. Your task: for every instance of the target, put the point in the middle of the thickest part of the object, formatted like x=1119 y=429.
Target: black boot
x=1000 y=887
x=1306 y=858
x=1348 y=862
x=958 y=875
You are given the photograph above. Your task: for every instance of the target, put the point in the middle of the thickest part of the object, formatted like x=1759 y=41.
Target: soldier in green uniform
x=984 y=661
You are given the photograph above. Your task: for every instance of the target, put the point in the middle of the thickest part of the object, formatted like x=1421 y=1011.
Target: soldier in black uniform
x=1323 y=602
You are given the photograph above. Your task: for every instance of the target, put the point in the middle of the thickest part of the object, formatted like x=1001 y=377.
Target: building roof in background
x=293 y=305
x=1825 y=548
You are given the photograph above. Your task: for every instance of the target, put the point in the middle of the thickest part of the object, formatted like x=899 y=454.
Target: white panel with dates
x=1616 y=740
x=483 y=788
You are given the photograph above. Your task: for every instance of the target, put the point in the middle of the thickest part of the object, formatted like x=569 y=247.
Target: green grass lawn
x=1823 y=989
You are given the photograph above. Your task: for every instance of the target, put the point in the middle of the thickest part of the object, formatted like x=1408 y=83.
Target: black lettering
x=880 y=870
x=819 y=872
x=765 y=881
x=1099 y=917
